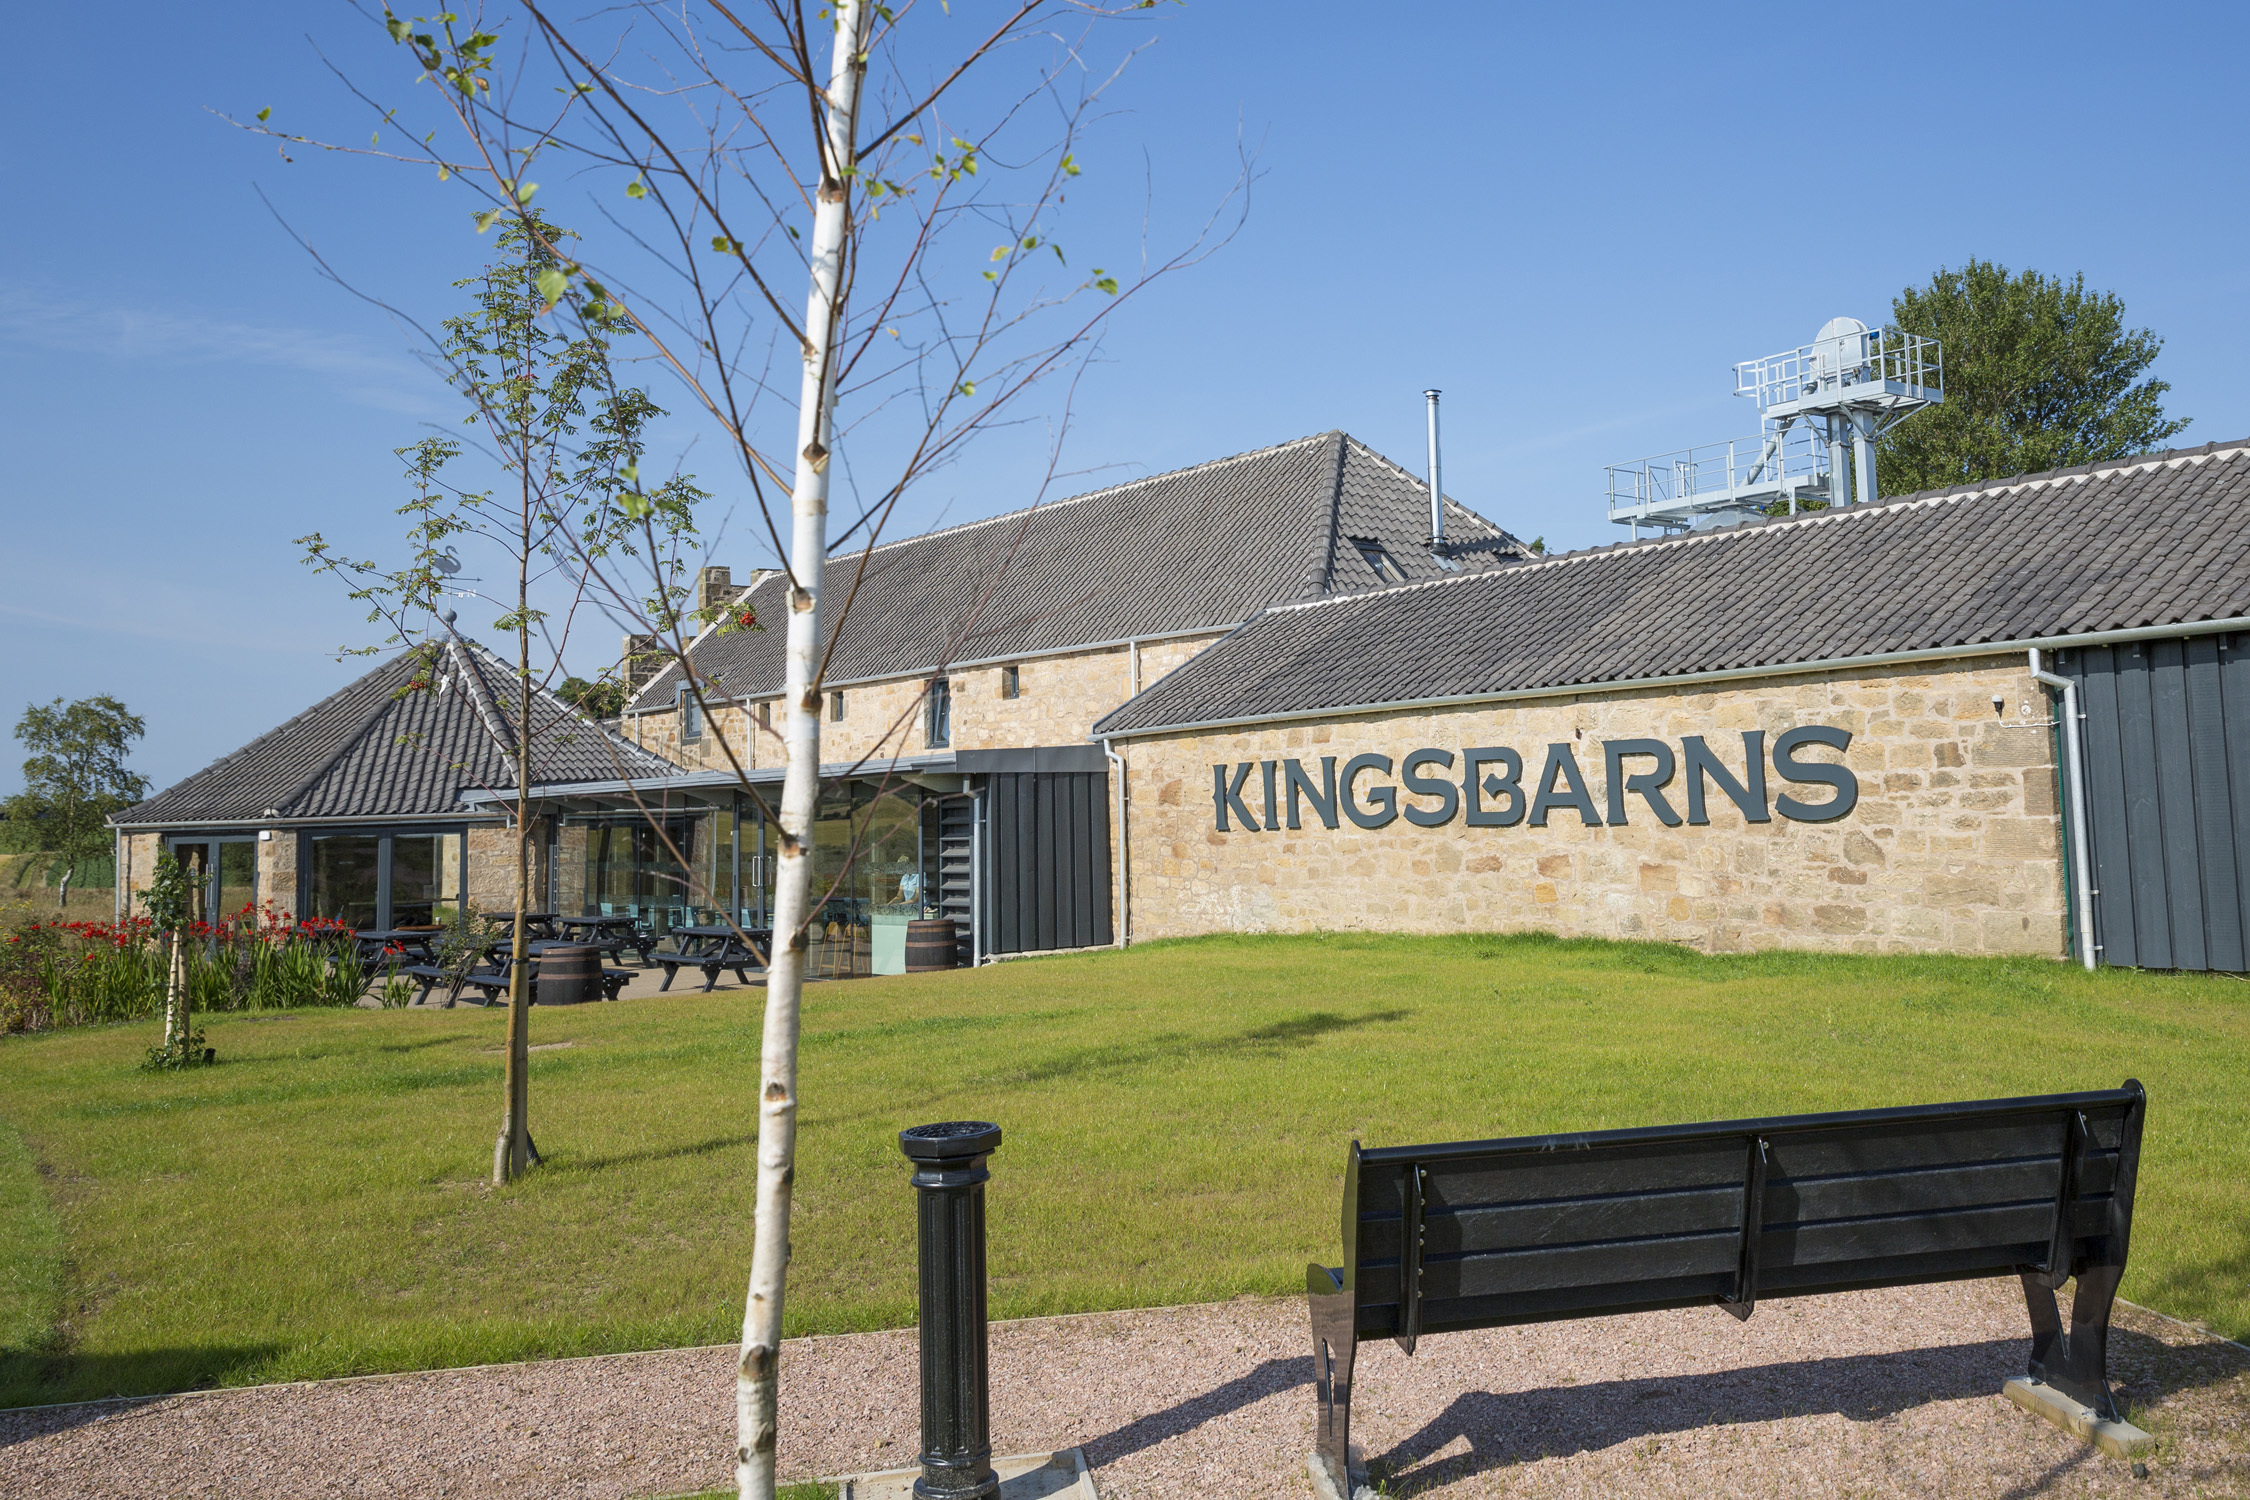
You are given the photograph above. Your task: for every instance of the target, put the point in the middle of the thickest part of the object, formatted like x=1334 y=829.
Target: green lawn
x=1176 y=1121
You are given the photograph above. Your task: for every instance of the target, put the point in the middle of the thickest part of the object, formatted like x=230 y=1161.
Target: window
x=765 y=716
x=382 y=880
x=938 y=714
x=1379 y=561
x=691 y=715
x=1011 y=682
x=836 y=705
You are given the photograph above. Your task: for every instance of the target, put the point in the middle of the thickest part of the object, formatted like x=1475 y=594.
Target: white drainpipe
x=1124 y=905
x=2082 y=852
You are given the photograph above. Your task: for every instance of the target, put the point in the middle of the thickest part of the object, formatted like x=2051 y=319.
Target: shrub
x=83 y=973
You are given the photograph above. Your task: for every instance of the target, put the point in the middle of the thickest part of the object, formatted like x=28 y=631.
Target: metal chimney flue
x=1437 y=490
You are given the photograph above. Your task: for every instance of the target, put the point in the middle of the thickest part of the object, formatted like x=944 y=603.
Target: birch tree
x=909 y=170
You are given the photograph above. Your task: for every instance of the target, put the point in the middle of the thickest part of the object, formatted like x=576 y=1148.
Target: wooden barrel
x=931 y=945
x=570 y=976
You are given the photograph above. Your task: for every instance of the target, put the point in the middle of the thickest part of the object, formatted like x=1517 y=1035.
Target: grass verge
x=1176 y=1120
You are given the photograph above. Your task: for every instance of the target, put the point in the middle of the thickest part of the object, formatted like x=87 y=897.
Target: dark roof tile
x=1200 y=548
x=378 y=748
x=2155 y=540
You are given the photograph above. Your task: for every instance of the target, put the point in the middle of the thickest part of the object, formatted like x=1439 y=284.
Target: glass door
x=224 y=872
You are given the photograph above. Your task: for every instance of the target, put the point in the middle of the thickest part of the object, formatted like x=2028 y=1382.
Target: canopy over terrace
x=1012 y=845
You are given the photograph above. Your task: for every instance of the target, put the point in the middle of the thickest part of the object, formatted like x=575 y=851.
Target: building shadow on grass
x=1278 y=1036
x=31 y=1382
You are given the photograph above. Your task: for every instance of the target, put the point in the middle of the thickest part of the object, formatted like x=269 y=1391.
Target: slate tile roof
x=1200 y=548
x=368 y=750
x=2156 y=540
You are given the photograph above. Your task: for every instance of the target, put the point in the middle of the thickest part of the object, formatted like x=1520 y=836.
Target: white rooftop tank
x=1851 y=384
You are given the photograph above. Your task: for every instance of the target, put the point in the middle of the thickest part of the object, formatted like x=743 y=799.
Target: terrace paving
x=1887 y=1393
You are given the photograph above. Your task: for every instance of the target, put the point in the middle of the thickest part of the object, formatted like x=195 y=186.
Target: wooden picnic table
x=615 y=933
x=414 y=942
x=713 y=948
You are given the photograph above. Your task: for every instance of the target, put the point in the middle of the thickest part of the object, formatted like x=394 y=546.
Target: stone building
x=2004 y=718
x=971 y=664
x=1257 y=695
x=353 y=809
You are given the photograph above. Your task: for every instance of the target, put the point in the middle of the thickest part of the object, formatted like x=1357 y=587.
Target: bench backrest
x=1479 y=1234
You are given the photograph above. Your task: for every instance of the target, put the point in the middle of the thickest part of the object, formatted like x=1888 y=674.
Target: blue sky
x=1573 y=219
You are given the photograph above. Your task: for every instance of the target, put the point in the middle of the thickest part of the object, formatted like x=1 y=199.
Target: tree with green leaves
x=568 y=439
x=2040 y=373
x=75 y=776
x=596 y=700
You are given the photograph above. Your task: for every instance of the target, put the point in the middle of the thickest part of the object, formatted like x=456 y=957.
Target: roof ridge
x=1420 y=483
x=1048 y=505
x=296 y=719
x=565 y=710
x=1321 y=577
x=349 y=742
x=1828 y=517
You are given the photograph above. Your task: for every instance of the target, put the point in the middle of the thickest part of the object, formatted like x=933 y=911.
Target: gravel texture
x=1868 y=1394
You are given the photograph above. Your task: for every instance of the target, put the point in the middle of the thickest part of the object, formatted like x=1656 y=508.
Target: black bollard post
x=956 y=1396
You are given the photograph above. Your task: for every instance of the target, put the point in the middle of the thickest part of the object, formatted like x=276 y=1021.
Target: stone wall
x=136 y=863
x=1058 y=701
x=1954 y=844
x=277 y=869
x=492 y=867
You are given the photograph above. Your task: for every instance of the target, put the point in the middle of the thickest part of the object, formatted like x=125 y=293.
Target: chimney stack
x=713 y=587
x=642 y=659
x=1437 y=491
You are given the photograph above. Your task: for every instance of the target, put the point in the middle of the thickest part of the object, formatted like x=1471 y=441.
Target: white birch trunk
x=757 y=1385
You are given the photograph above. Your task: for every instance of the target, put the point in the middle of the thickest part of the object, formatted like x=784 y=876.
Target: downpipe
x=2074 y=752
x=1124 y=904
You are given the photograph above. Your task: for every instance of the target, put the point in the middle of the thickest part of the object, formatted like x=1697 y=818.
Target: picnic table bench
x=623 y=932
x=712 y=949
x=1487 y=1234
x=493 y=982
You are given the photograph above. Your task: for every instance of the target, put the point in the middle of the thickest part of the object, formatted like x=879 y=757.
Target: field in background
x=25 y=897
x=1176 y=1121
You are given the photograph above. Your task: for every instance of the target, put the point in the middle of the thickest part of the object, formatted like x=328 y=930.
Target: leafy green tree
x=596 y=700
x=568 y=440
x=75 y=776
x=2040 y=373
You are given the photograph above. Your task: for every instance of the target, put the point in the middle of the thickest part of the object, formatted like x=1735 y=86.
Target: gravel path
x=1868 y=1394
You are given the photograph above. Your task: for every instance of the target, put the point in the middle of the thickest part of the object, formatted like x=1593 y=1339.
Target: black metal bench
x=1485 y=1234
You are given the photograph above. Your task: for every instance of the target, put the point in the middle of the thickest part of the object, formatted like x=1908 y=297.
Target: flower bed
x=81 y=973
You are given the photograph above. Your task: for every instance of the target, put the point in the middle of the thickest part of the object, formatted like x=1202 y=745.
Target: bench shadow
x=29 y=1381
x=1504 y=1429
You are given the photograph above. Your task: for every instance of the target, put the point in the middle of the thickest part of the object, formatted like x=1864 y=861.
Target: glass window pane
x=238 y=879
x=343 y=877
x=415 y=868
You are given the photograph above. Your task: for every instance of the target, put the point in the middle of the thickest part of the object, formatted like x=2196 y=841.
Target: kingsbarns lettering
x=1486 y=787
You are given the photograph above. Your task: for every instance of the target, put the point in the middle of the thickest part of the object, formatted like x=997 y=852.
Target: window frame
x=691 y=716
x=1387 y=569
x=937 y=714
